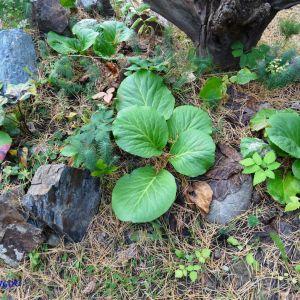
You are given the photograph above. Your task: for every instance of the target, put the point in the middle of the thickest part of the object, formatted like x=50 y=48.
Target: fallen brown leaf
x=110 y=90
x=113 y=68
x=99 y=96
x=201 y=194
x=107 y=98
x=90 y=288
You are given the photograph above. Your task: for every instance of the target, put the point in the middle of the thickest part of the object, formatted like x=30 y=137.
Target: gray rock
x=64 y=198
x=232 y=191
x=17 y=237
x=50 y=15
x=17 y=57
x=102 y=6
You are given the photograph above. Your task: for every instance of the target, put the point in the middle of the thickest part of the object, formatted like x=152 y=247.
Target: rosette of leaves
x=90 y=147
x=151 y=64
x=145 y=125
x=85 y=35
x=147 y=193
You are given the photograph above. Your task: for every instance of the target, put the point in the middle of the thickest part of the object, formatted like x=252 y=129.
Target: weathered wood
x=214 y=25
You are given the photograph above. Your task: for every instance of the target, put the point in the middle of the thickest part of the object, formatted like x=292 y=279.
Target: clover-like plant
x=141 y=129
x=262 y=168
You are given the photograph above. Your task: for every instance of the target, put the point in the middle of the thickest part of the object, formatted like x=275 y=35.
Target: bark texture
x=214 y=25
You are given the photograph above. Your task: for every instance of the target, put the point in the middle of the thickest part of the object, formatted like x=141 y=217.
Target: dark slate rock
x=17 y=54
x=17 y=237
x=64 y=198
x=50 y=15
x=102 y=6
x=232 y=191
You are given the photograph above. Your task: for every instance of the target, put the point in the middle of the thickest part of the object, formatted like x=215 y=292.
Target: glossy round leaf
x=213 y=91
x=145 y=88
x=188 y=117
x=144 y=195
x=285 y=132
x=141 y=131
x=193 y=153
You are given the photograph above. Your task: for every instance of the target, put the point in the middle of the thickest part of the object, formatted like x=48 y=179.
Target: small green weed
x=262 y=168
x=191 y=264
x=288 y=28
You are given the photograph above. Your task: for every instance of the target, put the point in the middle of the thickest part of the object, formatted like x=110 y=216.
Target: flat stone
x=50 y=15
x=232 y=191
x=17 y=237
x=64 y=198
x=17 y=57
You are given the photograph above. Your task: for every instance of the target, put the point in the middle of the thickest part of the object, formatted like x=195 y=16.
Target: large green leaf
x=283 y=187
x=144 y=195
x=85 y=24
x=141 y=131
x=145 y=88
x=63 y=44
x=188 y=117
x=112 y=33
x=87 y=38
x=193 y=153
x=213 y=91
x=285 y=132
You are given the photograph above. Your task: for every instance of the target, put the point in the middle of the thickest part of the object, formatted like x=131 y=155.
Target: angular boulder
x=64 y=198
x=50 y=15
x=17 y=237
x=232 y=190
x=17 y=57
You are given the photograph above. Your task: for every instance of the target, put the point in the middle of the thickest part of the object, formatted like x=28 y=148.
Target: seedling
x=251 y=261
x=193 y=263
x=234 y=242
x=262 y=168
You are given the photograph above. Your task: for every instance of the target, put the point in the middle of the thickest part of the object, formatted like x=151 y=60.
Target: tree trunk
x=214 y=25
